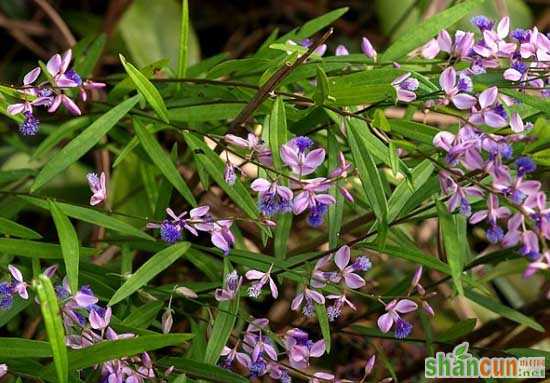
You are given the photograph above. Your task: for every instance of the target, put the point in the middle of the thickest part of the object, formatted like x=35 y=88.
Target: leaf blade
x=69 y=244
x=154 y=265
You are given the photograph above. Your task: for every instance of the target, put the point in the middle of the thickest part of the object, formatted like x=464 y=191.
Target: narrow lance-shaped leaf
x=369 y=174
x=322 y=317
x=24 y=348
x=410 y=40
x=453 y=230
x=147 y=89
x=114 y=349
x=163 y=161
x=92 y=216
x=336 y=210
x=500 y=309
x=69 y=244
x=9 y=227
x=223 y=324
x=184 y=39
x=54 y=325
x=154 y=265
x=83 y=143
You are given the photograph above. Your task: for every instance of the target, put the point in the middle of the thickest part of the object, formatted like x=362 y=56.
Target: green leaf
x=24 y=348
x=369 y=174
x=394 y=159
x=529 y=352
x=203 y=370
x=92 y=216
x=154 y=265
x=214 y=165
x=336 y=210
x=278 y=133
x=163 y=161
x=542 y=157
x=345 y=95
x=453 y=230
x=147 y=89
x=457 y=331
x=115 y=349
x=184 y=39
x=16 y=230
x=322 y=91
x=69 y=244
x=500 y=309
x=414 y=130
x=54 y=325
x=82 y=143
x=426 y=30
x=322 y=317
x=35 y=249
x=413 y=255
x=223 y=325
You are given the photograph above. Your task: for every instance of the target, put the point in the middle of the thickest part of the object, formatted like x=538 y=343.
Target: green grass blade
x=154 y=265
x=54 y=326
x=69 y=244
x=14 y=229
x=223 y=325
x=24 y=348
x=149 y=92
x=322 y=317
x=203 y=370
x=184 y=39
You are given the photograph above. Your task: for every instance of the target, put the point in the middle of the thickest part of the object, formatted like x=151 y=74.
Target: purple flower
x=491 y=112
x=58 y=68
x=542 y=263
x=309 y=296
x=320 y=50
x=300 y=348
x=231 y=354
x=393 y=309
x=169 y=232
x=99 y=317
x=405 y=85
x=482 y=22
x=273 y=198
x=6 y=296
x=341 y=50
x=525 y=165
x=3 y=369
x=30 y=125
x=313 y=199
x=335 y=310
x=343 y=167
x=297 y=156
x=342 y=259
x=492 y=214
x=18 y=285
x=252 y=143
x=229 y=174
x=261 y=279
x=368 y=49
x=67 y=103
x=231 y=286
x=448 y=82
x=221 y=235
x=98 y=187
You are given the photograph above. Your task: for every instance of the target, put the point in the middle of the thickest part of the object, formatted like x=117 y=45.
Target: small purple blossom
x=391 y=317
x=273 y=198
x=98 y=187
x=261 y=279
x=405 y=85
x=231 y=286
x=296 y=155
x=300 y=348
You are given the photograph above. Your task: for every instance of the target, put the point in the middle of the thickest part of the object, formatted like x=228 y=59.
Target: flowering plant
x=265 y=218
